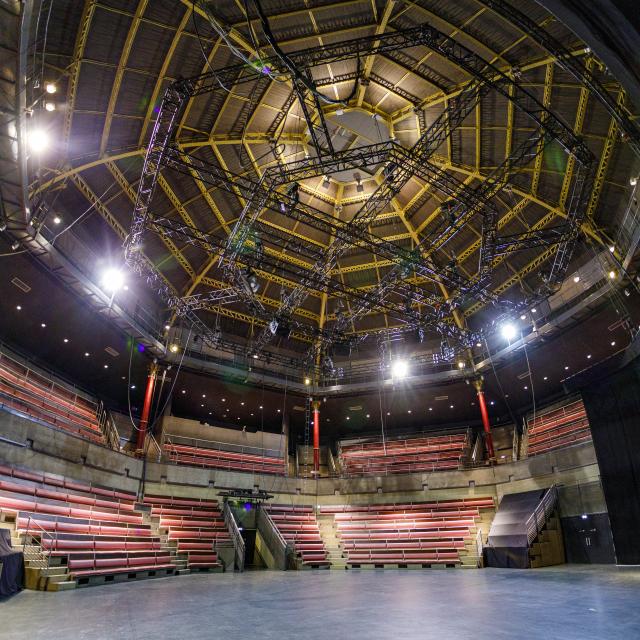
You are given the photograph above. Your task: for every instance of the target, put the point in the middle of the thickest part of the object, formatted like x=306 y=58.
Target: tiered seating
x=93 y=530
x=558 y=428
x=409 y=455
x=205 y=453
x=42 y=399
x=197 y=527
x=426 y=533
x=299 y=526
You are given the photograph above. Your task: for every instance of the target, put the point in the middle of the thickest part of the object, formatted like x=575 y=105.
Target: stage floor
x=561 y=602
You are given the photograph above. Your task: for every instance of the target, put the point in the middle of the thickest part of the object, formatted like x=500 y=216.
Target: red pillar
x=146 y=407
x=316 y=437
x=485 y=420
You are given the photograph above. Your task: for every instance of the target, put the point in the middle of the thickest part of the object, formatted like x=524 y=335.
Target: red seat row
x=558 y=428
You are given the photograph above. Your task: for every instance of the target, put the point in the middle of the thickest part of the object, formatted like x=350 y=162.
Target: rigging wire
x=297 y=75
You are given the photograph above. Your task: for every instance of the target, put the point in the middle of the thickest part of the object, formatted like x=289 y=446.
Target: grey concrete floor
x=562 y=602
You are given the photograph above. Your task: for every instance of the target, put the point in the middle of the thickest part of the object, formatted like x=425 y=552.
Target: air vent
x=524 y=375
x=357 y=407
x=23 y=286
x=112 y=352
x=442 y=397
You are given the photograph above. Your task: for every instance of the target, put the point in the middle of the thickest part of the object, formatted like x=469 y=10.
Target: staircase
x=331 y=541
x=471 y=555
x=180 y=560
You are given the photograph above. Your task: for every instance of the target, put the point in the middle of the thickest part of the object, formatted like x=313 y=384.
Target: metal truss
x=250 y=244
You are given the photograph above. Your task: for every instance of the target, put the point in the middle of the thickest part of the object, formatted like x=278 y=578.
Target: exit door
x=588 y=539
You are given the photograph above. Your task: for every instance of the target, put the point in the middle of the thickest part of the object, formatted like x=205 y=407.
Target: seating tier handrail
x=281 y=550
x=202 y=443
x=236 y=536
x=537 y=520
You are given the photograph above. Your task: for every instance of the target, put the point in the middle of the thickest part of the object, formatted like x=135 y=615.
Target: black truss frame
x=422 y=308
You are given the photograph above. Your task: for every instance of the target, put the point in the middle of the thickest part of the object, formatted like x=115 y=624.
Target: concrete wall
x=574 y=468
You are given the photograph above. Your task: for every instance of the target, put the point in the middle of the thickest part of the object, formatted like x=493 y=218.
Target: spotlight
x=38 y=140
x=461 y=364
x=50 y=87
x=633 y=181
x=576 y=279
x=50 y=106
x=173 y=348
x=57 y=220
x=508 y=331
x=112 y=279
x=399 y=369
x=612 y=275
x=307 y=381
x=612 y=248
x=167 y=327
x=15 y=246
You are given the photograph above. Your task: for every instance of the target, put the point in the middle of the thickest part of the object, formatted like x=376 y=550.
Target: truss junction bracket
x=425 y=308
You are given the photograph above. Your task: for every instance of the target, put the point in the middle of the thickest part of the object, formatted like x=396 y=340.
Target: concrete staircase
x=331 y=542
x=548 y=548
x=180 y=560
x=469 y=555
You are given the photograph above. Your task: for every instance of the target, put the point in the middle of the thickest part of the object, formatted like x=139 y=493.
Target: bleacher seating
x=205 y=453
x=298 y=525
x=42 y=399
x=195 y=526
x=419 y=533
x=92 y=530
x=557 y=428
x=408 y=455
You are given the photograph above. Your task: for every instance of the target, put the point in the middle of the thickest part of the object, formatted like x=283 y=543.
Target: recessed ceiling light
x=204 y=395
x=545 y=378
x=66 y=340
x=368 y=416
x=534 y=310
x=278 y=410
x=260 y=407
x=408 y=410
x=492 y=403
x=106 y=366
x=525 y=387
x=613 y=344
x=566 y=368
x=242 y=403
x=251 y=414
x=430 y=408
x=43 y=325
x=173 y=348
x=86 y=354
x=224 y=399
x=576 y=278
x=209 y=412
x=184 y=391
x=388 y=413
x=50 y=87
x=133 y=386
x=589 y=357
x=478 y=344
x=348 y=418
x=202 y=405
x=450 y=406
x=255 y=356
x=523 y=317
x=612 y=248
x=19 y=308
x=167 y=327
x=612 y=275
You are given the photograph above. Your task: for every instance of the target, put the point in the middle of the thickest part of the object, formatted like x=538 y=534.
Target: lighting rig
x=418 y=291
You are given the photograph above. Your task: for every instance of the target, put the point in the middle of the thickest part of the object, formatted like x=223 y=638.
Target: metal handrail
x=236 y=536
x=479 y=543
x=231 y=447
x=28 y=535
x=536 y=521
x=154 y=442
x=279 y=547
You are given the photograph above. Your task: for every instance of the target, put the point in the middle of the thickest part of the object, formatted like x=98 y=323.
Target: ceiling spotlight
x=133 y=386
x=15 y=246
x=307 y=381
x=255 y=356
x=184 y=391
x=65 y=340
x=461 y=364
x=57 y=220
x=50 y=88
x=50 y=106
x=478 y=344
x=399 y=369
x=589 y=357
x=38 y=140
x=173 y=348
x=612 y=248
x=106 y=366
x=613 y=344
x=612 y=275
x=19 y=308
x=508 y=331
x=43 y=325
x=534 y=310
x=576 y=279
x=368 y=415
x=86 y=354
x=112 y=279
x=167 y=327
x=523 y=317
x=633 y=181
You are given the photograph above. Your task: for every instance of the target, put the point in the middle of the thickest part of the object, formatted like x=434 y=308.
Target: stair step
x=62 y=586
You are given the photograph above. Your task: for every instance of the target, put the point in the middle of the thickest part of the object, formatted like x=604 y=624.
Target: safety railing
x=281 y=550
x=154 y=447
x=108 y=427
x=38 y=557
x=479 y=544
x=201 y=443
x=236 y=536
x=537 y=520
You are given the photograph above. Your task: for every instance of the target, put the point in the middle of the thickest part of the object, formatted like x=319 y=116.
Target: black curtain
x=613 y=408
x=12 y=576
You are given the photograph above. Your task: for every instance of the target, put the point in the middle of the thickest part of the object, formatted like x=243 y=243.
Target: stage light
x=576 y=279
x=57 y=220
x=399 y=369
x=19 y=308
x=43 y=325
x=50 y=87
x=112 y=279
x=612 y=249
x=86 y=354
x=584 y=516
x=523 y=317
x=508 y=331
x=50 y=106
x=368 y=415
x=173 y=348
x=38 y=140
x=167 y=327
x=461 y=365
x=66 y=340
x=307 y=381
x=478 y=344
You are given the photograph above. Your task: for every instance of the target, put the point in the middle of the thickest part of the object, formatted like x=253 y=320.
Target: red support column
x=485 y=420
x=316 y=436
x=146 y=407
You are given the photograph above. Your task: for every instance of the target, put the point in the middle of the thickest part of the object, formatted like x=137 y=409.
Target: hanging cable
x=297 y=75
x=533 y=393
